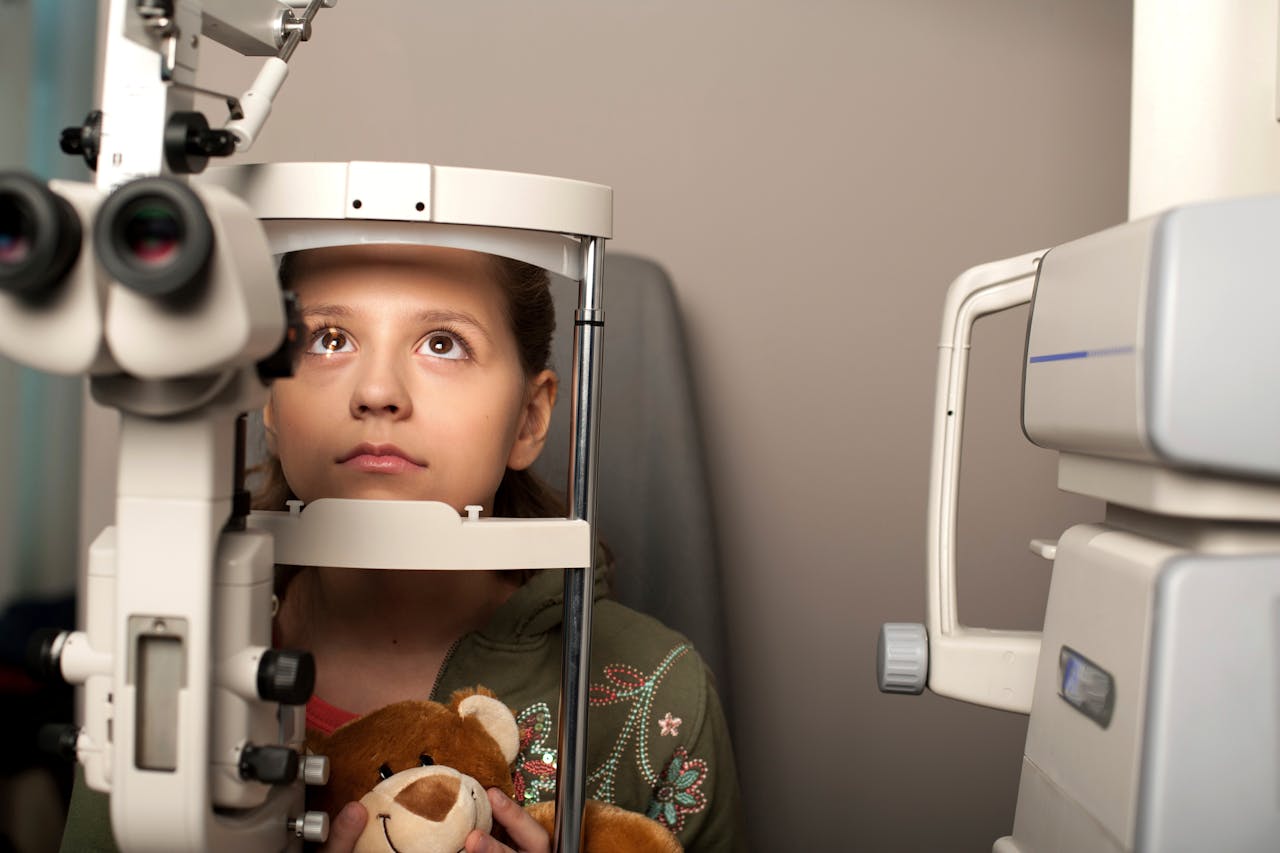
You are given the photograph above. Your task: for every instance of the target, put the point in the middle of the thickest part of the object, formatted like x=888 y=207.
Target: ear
x=496 y=719
x=535 y=420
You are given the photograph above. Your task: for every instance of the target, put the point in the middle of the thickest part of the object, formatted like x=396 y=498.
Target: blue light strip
x=1083 y=353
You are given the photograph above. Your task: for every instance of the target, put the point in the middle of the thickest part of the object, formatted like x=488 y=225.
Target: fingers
x=345 y=829
x=480 y=842
x=525 y=833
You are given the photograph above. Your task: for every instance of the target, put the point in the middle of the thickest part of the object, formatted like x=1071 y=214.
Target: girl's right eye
x=328 y=341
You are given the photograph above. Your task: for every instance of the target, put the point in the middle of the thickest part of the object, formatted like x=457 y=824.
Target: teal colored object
x=41 y=495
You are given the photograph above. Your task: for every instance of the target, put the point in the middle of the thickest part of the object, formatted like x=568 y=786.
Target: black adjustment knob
x=273 y=765
x=58 y=739
x=43 y=649
x=189 y=143
x=286 y=676
x=84 y=140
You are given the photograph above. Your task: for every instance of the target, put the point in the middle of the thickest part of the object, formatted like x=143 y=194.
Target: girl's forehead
x=378 y=260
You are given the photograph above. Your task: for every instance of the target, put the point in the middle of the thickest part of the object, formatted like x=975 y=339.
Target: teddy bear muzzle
x=423 y=810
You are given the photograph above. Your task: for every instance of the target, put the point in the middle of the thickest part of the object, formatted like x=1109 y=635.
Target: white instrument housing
x=1153 y=342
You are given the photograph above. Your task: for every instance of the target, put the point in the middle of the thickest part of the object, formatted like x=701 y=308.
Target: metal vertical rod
x=585 y=427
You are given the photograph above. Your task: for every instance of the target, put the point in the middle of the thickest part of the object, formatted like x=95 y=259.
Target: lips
x=380 y=459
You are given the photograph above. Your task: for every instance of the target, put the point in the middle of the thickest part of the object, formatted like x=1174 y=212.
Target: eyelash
x=458 y=338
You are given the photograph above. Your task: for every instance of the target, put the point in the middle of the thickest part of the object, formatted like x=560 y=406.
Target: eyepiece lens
x=16 y=231
x=154 y=237
x=152 y=233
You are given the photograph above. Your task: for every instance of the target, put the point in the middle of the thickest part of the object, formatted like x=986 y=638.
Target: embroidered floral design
x=626 y=684
x=679 y=793
x=535 y=771
x=669 y=725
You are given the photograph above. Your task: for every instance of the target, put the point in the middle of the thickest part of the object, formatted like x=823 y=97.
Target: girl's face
x=410 y=386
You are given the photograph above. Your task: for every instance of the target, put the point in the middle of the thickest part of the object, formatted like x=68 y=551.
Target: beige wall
x=812 y=174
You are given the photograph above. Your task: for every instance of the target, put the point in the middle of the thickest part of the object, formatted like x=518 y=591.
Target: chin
x=390 y=492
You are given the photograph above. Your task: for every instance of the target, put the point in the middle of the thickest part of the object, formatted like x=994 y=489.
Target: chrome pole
x=571 y=778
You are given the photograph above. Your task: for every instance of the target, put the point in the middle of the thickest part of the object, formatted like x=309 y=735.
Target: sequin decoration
x=669 y=725
x=535 y=772
x=679 y=793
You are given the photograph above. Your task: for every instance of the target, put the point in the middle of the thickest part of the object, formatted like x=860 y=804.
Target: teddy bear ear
x=497 y=720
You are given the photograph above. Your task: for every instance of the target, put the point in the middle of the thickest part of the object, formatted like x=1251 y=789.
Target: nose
x=431 y=797
x=380 y=390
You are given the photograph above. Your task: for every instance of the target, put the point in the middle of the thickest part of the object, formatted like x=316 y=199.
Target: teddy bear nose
x=431 y=797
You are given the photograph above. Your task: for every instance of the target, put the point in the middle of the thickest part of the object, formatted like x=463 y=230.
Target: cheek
x=480 y=422
x=298 y=426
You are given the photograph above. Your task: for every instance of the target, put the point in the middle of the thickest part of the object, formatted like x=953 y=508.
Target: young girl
x=425 y=377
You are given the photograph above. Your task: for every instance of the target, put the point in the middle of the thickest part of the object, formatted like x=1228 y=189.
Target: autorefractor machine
x=1152 y=365
x=161 y=289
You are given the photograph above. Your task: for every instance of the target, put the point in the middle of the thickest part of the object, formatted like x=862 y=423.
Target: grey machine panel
x=1212 y=359
x=1211 y=755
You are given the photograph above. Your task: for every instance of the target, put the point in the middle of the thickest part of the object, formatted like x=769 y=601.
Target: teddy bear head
x=421 y=770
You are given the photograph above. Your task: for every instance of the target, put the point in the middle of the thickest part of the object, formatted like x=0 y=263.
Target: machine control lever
x=58 y=739
x=274 y=765
x=1047 y=548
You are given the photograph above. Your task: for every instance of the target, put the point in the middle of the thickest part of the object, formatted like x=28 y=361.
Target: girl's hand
x=523 y=831
x=345 y=829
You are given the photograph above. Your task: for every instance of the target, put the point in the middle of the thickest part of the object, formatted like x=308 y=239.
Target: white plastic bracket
x=989 y=667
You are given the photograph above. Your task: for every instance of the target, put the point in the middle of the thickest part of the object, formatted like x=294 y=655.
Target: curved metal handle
x=980 y=665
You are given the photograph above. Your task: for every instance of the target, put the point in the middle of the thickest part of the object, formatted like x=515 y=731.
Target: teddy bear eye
x=426 y=760
x=384 y=772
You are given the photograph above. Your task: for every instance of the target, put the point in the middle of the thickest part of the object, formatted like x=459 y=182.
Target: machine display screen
x=1086 y=686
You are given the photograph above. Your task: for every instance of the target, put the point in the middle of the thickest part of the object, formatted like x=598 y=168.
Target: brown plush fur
x=398 y=734
x=609 y=829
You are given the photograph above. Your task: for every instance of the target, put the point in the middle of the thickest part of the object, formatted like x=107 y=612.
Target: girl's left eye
x=444 y=345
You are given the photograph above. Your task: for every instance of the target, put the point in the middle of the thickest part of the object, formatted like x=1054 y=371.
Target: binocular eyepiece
x=157 y=280
x=40 y=236
x=152 y=235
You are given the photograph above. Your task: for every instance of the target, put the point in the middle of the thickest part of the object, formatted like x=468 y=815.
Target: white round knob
x=314 y=770
x=312 y=826
x=902 y=657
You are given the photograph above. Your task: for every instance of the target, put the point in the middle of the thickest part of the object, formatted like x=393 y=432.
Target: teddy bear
x=421 y=769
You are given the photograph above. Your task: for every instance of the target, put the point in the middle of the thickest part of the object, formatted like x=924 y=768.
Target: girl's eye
x=328 y=341
x=444 y=345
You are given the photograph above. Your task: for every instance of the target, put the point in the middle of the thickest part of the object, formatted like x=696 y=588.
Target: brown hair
x=532 y=317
